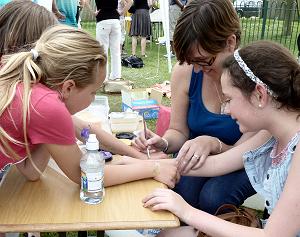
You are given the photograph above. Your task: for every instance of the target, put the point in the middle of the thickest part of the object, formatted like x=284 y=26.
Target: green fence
x=271 y=20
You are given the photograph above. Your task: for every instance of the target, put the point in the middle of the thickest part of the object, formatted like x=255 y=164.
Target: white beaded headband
x=249 y=73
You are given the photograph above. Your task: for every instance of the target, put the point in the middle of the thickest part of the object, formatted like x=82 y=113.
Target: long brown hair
x=21 y=24
x=272 y=64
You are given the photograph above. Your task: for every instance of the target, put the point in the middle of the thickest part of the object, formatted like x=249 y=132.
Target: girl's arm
x=166 y=199
x=40 y=156
x=230 y=160
x=284 y=221
x=109 y=142
x=67 y=157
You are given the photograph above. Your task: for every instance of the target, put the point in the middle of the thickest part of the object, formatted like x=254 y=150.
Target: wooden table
x=52 y=204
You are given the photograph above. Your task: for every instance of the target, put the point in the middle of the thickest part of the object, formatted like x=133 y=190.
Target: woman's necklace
x=222 y=103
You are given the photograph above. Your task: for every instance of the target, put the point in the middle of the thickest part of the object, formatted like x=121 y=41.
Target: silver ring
x=197 y=157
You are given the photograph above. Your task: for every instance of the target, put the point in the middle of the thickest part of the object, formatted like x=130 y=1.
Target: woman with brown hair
x=206 y=33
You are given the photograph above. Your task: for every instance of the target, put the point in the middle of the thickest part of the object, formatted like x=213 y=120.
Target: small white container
x=123 y=121
x=98 y=110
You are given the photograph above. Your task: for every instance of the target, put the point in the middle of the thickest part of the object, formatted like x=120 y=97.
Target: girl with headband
x=261 y=83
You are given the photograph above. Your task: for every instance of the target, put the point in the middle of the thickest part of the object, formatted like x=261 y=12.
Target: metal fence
x=271 y=20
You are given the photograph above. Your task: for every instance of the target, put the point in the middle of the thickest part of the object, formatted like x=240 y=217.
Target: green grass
x=156 y=68
x=155 y=71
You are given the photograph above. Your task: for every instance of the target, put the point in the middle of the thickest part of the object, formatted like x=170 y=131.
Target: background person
x=68 y=8
x=108 y=33
x=140 y=25
x=175 y=9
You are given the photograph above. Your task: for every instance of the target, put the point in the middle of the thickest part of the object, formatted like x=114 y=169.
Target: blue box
x=149 y=112
x=138 y=100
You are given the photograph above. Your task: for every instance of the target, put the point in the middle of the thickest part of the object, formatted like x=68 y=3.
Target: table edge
x=89 y=226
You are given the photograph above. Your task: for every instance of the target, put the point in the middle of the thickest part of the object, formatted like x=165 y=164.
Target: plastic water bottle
x=92 y=172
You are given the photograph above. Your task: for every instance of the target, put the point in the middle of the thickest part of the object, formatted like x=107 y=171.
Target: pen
x=145 y=130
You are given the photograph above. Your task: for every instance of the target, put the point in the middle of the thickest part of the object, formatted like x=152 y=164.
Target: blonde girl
x=40 y=90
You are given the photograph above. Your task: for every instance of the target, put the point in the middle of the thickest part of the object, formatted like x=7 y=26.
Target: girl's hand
x=194 y=152
x=166 y=199
x=153 y=141
x=165 y=171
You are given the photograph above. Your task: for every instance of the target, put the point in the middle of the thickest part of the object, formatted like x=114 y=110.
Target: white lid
x=92 y=144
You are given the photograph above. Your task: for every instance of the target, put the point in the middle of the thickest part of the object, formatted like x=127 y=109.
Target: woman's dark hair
x=272 y=64
x=207 y=23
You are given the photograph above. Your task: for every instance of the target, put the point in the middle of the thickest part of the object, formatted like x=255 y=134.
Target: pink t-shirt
x=49 y=122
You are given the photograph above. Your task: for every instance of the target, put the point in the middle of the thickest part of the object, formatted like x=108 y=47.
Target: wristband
x=220 y=145
x=167 y=145
x=85 y=132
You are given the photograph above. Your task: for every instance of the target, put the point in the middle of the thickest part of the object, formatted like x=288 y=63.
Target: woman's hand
x=194 y=152
x=153 y=142
x=166 y=199
x=165 y=171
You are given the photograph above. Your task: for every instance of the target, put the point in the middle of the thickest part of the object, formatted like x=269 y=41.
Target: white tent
x=164 y=6
x=162 y=15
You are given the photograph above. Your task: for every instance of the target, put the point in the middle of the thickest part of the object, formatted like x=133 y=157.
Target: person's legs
x=103 y=29
x=190 y=188
x=133 y=44
x=233 y=188
x=123 y=32
x=115 y=52
x=143 y=45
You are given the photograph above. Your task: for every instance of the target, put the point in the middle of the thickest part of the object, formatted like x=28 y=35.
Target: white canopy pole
x=164 y=10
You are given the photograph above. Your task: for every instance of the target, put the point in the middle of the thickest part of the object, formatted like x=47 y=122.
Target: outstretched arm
x=127 y=169
x=230 y=160
x=285 y=213
x=109 y=142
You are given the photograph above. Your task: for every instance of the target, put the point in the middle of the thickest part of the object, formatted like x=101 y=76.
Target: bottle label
x=91 y=182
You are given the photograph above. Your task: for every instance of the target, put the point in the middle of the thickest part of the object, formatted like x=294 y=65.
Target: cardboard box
x=139 y=100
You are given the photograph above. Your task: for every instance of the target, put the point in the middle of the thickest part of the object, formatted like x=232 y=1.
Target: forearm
x=179 y=4
x=118 y=174
x=54 y=7
x=40 y=157
x=217 y=227
x=107 y=141
x=128 y=4
x=175 y=139
x=230 y=160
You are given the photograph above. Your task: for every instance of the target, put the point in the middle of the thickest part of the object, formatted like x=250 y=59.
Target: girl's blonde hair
x=63 y=53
